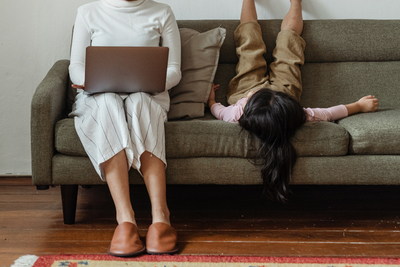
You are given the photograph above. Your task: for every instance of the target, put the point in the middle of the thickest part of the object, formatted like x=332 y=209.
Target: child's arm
x=211 y=97
x=231 y=113
x=366 y=104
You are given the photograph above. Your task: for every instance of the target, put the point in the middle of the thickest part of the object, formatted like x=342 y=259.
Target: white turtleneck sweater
x=126 y=23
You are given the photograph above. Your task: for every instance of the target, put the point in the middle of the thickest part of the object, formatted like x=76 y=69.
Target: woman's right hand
x=78 y=86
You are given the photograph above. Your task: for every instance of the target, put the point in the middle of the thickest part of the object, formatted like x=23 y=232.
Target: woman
x=119 y=131
x=267 y=106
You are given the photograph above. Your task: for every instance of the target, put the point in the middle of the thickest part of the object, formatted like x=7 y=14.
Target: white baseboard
x=15 y=174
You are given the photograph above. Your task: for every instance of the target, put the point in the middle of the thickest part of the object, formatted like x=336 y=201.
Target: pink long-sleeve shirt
x=233 y=112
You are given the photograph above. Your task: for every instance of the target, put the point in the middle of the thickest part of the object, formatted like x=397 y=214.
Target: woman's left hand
x=78 y=86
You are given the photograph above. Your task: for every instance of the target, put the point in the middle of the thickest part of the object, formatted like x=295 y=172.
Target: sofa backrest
x=345 y=59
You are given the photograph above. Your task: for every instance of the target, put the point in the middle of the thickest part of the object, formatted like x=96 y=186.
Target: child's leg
x=288 y=55
x=249 y=12
x=250 y=48
x=294 y=18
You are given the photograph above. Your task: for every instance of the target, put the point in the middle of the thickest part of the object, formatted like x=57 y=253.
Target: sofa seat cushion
x=375 y=133
x=184 y=139
x=213 y=138
x=315 y=139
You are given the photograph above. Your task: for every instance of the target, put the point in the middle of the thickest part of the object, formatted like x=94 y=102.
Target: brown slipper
x=126 y=241
x=161 y=238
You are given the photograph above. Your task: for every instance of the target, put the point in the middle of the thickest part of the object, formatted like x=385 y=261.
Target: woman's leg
x=116 y=172
x=126 y=239
x=146 y=120
x=101 y=125
x=153 y=170
x=161 y=238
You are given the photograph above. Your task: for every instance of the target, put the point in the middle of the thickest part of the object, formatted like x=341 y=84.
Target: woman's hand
x=211 y=97
x=78 y=86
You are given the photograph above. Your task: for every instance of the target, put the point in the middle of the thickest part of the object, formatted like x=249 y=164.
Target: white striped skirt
x=108 y=123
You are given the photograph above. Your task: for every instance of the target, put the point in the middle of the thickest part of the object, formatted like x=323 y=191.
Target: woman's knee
x=137 y=99
x=107 y=100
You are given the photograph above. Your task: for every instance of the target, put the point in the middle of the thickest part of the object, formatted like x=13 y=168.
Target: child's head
x=273 y=118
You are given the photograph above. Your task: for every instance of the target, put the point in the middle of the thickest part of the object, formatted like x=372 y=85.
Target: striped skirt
x=108 y=123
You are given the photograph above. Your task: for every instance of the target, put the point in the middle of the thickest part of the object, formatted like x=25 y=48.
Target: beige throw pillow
x=200 y=55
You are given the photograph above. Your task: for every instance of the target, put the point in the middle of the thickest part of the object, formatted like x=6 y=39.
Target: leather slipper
x=161 y=238
x=126 y=241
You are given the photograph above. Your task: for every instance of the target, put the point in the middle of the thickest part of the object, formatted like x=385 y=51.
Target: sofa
x=345 y=60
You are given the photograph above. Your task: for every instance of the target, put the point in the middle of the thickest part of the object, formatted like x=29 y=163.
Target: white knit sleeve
x=81 y=40
x=171 y=39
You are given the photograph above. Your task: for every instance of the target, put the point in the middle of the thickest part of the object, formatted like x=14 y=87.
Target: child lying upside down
x=267 y=105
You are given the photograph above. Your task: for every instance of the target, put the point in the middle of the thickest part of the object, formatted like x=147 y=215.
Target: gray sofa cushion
x=213 y=138
x=355 y=170
x=328 y=84
x=349 y=170
x=375 y=133
x=327 y=40
x=321 y=139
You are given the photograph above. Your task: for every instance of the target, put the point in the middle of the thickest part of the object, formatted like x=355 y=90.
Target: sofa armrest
x=47 y=107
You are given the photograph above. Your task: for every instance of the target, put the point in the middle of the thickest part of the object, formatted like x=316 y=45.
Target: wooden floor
x=340 y=221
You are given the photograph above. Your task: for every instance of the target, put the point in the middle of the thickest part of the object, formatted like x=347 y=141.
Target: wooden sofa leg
x=69 y=195
x=42 y=187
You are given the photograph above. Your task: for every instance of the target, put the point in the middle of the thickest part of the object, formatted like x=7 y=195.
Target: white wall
x=36 y=33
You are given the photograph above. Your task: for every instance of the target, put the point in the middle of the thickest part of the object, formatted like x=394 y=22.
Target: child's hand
x=368 y=103
x=211 y=97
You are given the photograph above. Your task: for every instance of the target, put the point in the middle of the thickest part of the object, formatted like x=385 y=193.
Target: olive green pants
x=252 y=71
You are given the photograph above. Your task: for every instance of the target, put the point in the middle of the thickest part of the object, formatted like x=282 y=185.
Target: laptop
x=125 y=69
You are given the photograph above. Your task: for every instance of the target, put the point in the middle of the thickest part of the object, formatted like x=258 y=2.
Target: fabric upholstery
x=214 y=138
x=375 y=133
x=348 y=170
x=327 y=40
x=47 y=107
x=351 y=170
x=321 y=139
x=200 y=55
x=345 y=60
x=328 y=84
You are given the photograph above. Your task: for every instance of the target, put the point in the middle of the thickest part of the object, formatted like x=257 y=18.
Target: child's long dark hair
x=273 y=117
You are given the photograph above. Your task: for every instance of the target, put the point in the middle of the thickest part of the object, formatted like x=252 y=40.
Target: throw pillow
x=200 y=55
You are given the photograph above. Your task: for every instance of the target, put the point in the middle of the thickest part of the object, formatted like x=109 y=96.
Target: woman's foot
x=126 y=241
x=161 y=215
x=127 y=216
x=161 y=238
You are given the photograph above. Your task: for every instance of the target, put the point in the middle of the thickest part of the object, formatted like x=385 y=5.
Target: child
x=267 y=106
